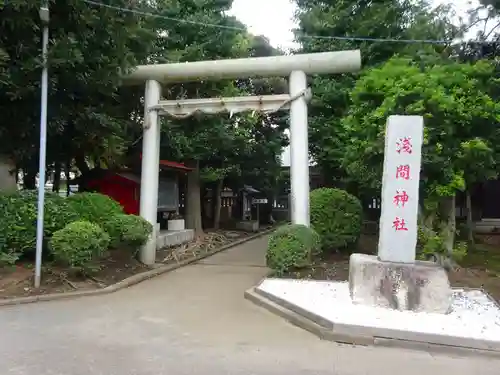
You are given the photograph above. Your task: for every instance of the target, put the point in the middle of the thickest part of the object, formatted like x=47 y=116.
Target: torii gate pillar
x=297 y=66
x=299 y=150
x=150 y=168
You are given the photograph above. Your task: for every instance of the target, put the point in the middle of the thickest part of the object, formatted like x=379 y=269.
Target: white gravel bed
x=473 y=314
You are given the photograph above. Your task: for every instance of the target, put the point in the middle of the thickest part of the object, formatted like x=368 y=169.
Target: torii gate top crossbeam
x=272 y=66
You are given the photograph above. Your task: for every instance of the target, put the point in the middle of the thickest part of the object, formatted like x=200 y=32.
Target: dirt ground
x=17 y=281
x=480 y=268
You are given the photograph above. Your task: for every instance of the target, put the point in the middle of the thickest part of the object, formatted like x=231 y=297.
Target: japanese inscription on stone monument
x=400 y=183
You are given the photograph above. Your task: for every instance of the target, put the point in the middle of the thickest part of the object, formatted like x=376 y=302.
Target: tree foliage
x=219 y=147
x=292 y=247
x=460 y=138
x=86 y=116
x=92 y=121
x=387 y=19
x=456 y=105
x=337 y=217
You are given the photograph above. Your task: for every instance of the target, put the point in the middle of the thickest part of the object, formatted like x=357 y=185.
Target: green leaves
x=336 y=216
x=91 y=119
x=392 y=19
x=79 y=245
x=237 y=148
x=460 y=121
x=19 y=215
x=127 y=230
x=291 y=247
x=94 y=207
x=85 y=60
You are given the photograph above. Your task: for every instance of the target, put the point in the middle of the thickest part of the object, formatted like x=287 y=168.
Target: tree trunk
x=8 y=173
x=206 y=209
x=57 y=177
x=217 y=202
x=426 y=220
x=449 y=223
x=29 y=176
x=81 y=164
x=67 y=168
x=193 y=200
x=29 y=181
x=470 y=224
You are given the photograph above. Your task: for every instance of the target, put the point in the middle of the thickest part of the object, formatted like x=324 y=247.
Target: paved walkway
x=193 y=321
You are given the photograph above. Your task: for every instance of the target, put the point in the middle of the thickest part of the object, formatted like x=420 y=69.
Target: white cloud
x=272 y=18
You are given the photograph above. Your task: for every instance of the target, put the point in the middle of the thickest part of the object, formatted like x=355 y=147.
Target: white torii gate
x=297 y=66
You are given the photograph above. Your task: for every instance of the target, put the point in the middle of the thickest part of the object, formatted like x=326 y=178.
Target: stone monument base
x=420 y=286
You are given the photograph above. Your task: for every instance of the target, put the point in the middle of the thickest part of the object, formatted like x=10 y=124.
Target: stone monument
x=395 y=279
x=391 y=298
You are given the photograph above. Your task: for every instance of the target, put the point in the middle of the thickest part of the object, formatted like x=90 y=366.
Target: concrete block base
x=419 y=287
x=248 y=225
x=167 y=238
x=325 y=308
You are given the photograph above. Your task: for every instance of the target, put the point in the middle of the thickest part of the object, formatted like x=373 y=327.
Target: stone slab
x=167 y=238
x=419 y=287
x=248 y=225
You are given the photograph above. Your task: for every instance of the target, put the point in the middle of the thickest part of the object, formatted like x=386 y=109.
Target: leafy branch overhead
x=95 y=122
x=456 y=106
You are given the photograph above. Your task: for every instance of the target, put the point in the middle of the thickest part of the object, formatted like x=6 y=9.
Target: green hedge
x=90 y=213
x=94 y=207
x=79 y=244
x=18 y=221
x=337 y=217
x=290 y=247
x=128 y=230
x=19 y=215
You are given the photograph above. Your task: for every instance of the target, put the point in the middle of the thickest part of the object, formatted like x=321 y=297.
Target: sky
x=274 y=19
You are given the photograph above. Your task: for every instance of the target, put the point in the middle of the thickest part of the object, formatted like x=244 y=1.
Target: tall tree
x=86 y=117
x=92 y=121
x=211 y=144
x=386 y=19
x=461 y=135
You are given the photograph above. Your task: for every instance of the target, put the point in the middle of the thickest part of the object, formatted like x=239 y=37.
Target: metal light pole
x=44 y=17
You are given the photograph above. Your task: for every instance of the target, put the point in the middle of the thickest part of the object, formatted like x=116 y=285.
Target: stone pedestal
x=419 y=286
x=248 y=225
x=176 y=224
x=167 y=238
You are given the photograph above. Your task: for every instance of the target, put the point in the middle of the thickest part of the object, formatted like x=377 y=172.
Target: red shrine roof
x=173 y=165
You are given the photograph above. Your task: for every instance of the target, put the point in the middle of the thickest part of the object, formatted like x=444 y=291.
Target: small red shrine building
x=124 y=186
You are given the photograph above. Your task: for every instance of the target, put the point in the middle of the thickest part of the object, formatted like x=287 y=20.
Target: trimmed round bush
x=94 y=207
x=129 y=230
x=291 y=247
x=79 y=244
x=18 y=221
x=336 y=216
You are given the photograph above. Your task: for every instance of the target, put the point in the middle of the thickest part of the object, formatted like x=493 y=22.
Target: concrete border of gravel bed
x=157 y=270
x=358 y=335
